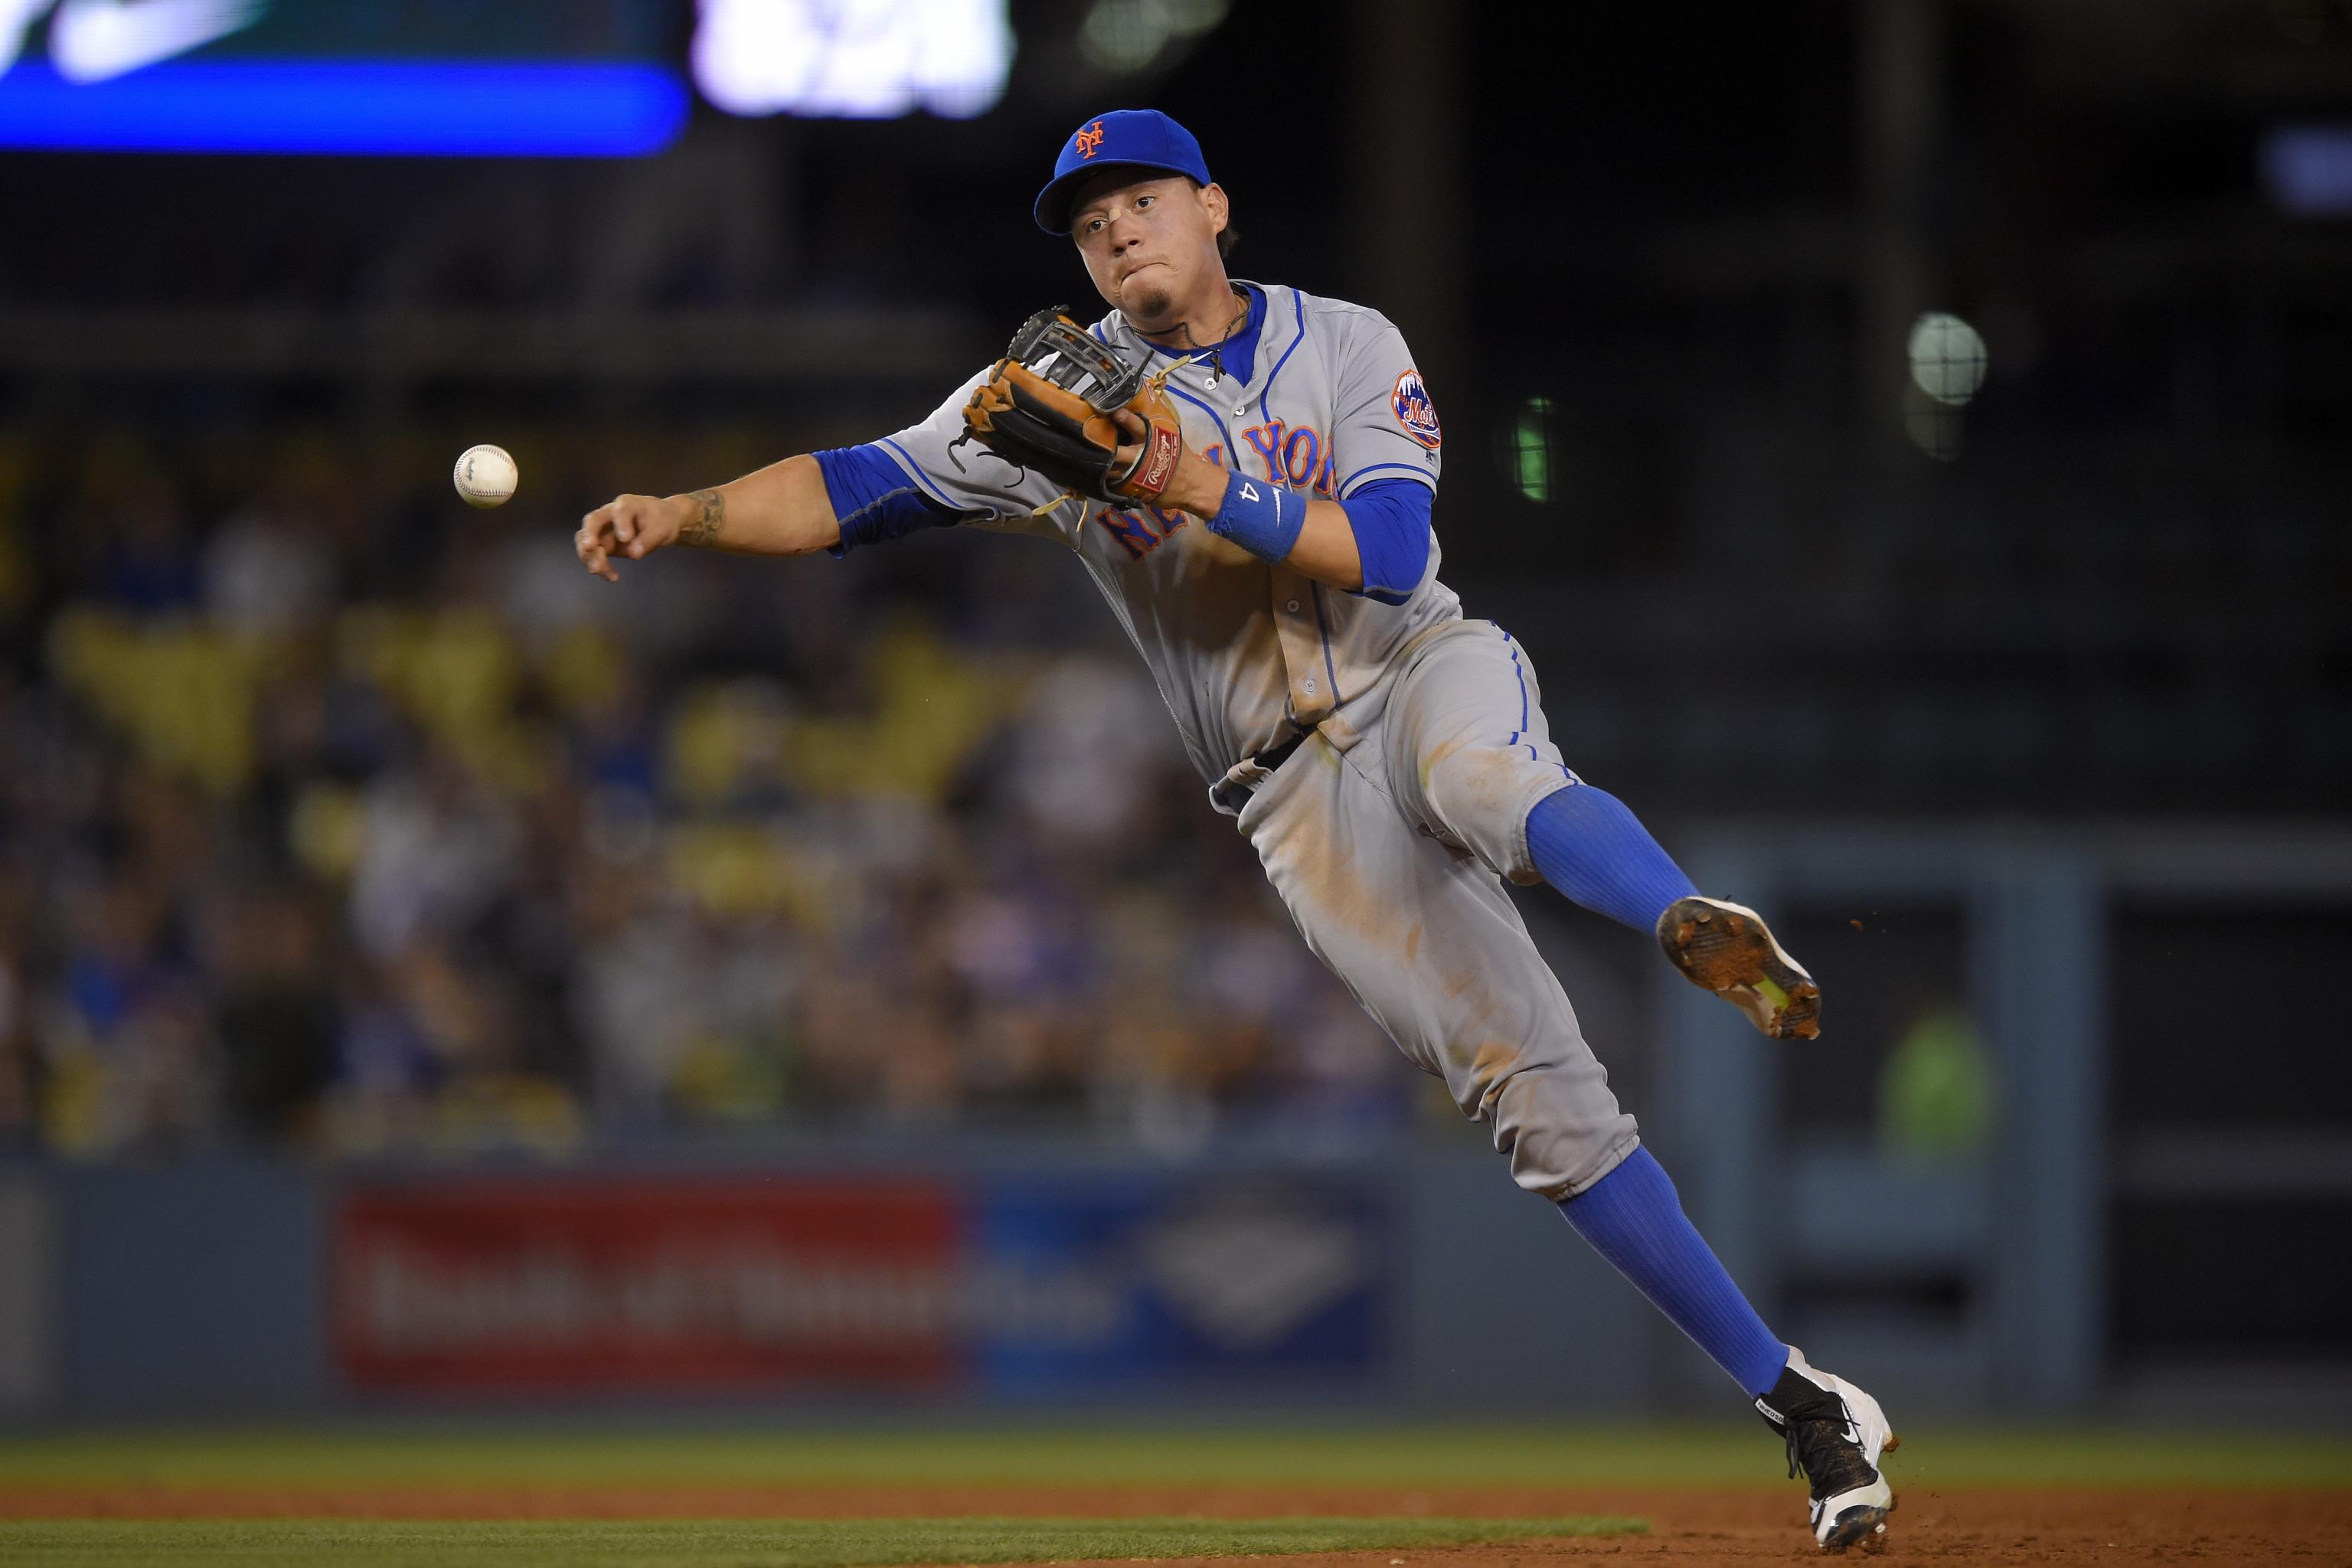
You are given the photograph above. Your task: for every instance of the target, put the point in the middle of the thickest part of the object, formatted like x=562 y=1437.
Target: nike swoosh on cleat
x=94 y=40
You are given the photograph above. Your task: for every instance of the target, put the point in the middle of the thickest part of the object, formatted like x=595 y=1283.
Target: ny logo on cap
x=1090 y=140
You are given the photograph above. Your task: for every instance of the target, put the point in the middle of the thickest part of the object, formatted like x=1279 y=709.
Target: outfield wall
x=253 y=1288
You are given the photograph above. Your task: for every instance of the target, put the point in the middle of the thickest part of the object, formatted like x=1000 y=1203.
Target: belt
x=1274 y=756
x=1231 y=793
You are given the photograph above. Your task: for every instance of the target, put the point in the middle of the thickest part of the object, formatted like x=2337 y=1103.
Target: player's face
x=1150 y=245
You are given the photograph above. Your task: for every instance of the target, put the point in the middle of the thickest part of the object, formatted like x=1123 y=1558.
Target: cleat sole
x=1856 y=1527
x=1728 y=952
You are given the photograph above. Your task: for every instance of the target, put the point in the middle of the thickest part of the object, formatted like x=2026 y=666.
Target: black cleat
x=1835 y=1433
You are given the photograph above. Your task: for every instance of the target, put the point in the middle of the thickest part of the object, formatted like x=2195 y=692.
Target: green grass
x=1728 y=1453
x=787 y=1543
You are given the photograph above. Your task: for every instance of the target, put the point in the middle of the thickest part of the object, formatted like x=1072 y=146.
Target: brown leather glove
x=1050 y=405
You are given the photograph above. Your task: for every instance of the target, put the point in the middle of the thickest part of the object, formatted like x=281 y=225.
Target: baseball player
x=1247 y=471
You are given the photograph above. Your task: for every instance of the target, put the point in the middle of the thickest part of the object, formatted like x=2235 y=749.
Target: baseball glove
x=1049 y=405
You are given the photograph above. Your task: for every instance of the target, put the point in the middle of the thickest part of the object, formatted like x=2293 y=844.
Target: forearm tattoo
x=709 y=517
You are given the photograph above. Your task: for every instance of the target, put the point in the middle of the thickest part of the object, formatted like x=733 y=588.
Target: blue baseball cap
x=1125 y=137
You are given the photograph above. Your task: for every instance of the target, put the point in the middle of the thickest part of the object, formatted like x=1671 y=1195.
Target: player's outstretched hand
x=628 y=527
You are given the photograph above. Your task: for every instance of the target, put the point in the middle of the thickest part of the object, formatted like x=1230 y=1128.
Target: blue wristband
x=1259 y=518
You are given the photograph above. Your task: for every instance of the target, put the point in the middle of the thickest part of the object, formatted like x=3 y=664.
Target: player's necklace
x=1217 y=350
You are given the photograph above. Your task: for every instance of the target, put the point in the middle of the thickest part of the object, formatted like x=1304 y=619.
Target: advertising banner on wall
x=1270 y=1277
x=672 y=1284
x=1029 y=1284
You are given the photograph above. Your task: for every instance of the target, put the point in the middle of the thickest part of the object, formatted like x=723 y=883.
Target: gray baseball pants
x=1391 y=854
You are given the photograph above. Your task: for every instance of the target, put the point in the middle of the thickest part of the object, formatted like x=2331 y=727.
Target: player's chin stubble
x=1148 y=303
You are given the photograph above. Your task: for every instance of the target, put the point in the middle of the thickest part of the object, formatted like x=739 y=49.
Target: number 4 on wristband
x=1257 y=520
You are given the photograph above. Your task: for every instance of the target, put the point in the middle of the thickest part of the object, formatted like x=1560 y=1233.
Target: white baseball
x=485 y=476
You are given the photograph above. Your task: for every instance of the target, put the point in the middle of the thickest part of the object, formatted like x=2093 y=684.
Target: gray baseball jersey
x=1235 y=645
x=1387 y=832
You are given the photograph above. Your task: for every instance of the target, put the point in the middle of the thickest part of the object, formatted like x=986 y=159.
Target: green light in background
x=1531 y=449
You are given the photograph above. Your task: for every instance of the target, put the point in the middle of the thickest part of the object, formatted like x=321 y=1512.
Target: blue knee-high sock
x=1591 y=846
x=1633 y=1219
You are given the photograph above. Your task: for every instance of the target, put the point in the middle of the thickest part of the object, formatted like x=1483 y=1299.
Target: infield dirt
x=1688 y=1524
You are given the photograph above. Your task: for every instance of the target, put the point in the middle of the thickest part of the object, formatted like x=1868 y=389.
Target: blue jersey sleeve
x=1391 y=521
x=873 y=498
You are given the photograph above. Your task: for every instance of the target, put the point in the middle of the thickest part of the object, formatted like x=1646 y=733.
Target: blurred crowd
x=333 y=816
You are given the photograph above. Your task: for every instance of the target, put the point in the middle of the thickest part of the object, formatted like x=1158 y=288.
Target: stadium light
x=2309 y=169
x=1531 y=449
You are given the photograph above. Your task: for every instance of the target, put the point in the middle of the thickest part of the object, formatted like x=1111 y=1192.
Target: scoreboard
x=517 y=77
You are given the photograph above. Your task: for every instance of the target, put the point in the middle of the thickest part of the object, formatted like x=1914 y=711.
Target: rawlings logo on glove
x=1052 y=404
